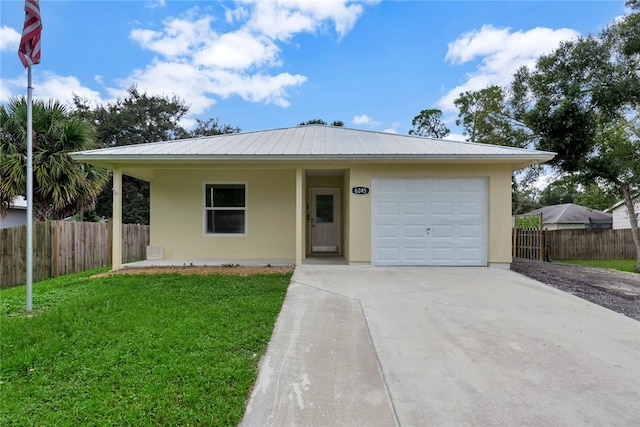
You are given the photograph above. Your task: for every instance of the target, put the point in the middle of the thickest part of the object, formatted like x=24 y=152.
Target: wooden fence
x=590 y=244
x=528 y=243
x=61 y=247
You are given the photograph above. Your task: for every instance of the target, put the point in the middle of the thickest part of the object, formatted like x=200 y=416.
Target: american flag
x=29 y=51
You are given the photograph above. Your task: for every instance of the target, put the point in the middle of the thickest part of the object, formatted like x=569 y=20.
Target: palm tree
x=61 y=186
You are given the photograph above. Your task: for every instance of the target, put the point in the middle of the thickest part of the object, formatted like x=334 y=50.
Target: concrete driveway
x=357 y=346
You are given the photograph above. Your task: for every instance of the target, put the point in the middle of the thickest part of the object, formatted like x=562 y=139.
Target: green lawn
x=615 y=264
x=135 y=350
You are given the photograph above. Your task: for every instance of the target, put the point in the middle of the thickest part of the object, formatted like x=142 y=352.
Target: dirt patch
x=616 y=290
x=208 y=270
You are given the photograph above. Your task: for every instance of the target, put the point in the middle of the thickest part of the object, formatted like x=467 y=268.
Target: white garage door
x=429 y=221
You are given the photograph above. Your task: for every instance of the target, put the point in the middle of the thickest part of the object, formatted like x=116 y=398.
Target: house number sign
x=360 y=190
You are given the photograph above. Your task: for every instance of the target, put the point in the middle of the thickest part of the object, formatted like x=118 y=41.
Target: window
x=225 y=208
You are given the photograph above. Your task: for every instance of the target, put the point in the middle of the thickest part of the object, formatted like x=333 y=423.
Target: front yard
x=135 y=350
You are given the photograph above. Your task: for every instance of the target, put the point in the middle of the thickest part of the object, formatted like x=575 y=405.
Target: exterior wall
x=14 y=218
x=177 y=214
x=358 y=232
x=346 y=217
x=621 y=216
x=177 y=210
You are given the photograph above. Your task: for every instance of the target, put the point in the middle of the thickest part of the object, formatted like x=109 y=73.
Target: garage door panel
x=472 y=209
x=415 y=208
x=469 y=255
x=414 y=231
x=441 y=231
x=442 y=255
x=414 y=255
x=429 y=221
x=386 y=231
x=388 y=208
x=469 y=231
x=440 y=209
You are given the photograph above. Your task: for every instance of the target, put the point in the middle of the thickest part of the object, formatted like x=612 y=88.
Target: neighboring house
x=287 y=194
x=16 y=214
x=570 y=216
x=621 y=214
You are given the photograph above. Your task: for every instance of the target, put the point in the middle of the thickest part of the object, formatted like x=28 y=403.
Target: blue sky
x=267 y=64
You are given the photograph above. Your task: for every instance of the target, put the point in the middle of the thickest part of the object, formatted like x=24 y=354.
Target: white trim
x=205 y=209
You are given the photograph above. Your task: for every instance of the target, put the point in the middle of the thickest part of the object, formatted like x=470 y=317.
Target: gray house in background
x=16 y=215
x=570 y=216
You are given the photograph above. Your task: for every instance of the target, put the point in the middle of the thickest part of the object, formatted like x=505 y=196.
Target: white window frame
x=205 y=209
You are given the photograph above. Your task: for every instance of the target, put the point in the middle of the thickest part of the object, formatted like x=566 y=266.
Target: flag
x=29 y=51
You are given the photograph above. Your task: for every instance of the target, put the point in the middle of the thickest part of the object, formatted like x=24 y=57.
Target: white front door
x=324 y=220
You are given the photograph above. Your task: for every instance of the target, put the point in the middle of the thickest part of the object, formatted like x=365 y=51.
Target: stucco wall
x=177 y=214
x=499 y=204
x=177 y=210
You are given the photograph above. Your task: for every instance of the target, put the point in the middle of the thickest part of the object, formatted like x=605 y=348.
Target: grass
x=135 y=350
x=615 y=264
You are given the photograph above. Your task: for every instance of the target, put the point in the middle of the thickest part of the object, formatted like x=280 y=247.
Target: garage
x=429 y=221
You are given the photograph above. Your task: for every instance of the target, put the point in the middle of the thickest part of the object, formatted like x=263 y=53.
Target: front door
x=324 y=220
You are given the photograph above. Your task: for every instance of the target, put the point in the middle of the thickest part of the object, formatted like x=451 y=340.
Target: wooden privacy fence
x=61 y=247
x=528 y=243
x=590 y=244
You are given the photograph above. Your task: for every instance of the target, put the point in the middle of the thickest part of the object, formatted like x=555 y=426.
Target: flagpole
x=29 y=191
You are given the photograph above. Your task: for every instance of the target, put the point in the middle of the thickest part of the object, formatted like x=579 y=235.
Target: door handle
x=428 y=231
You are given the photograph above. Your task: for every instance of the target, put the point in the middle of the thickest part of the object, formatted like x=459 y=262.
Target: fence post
x=110 y=245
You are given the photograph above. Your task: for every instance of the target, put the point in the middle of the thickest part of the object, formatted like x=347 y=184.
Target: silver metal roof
x=310 y=142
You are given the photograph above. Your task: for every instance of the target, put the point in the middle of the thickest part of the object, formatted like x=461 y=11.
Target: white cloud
x=201 y=65
x=238 y=50
x=179 y=37
x=201 y=62
x=390 y=130
x=281 y=19
x=48 y=85
x=9 y=39
x=500 y=53
x=362 y=119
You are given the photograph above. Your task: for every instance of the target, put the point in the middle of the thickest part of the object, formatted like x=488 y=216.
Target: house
x=621 y=214
x=16 y=214
x=571 y=216
x=289 y=194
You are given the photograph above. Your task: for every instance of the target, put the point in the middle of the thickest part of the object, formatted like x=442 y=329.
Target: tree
x=140 y=118
x=524 y=198
x=429 y=123
x=207 y=127
x=596 y=196
x=582 y=102
x=560 y=191
x=492 y=116
x=337 y=123
x=313 y=122
x=61 y=186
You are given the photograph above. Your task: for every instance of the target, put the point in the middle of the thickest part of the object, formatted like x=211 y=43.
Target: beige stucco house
x=289 y=194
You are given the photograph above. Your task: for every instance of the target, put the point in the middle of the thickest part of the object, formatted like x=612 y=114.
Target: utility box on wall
x=155 y=252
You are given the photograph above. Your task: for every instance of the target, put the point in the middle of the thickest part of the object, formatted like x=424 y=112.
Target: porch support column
x=299 y=216
x=116 y=251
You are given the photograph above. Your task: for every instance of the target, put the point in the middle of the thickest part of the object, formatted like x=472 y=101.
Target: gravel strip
x=616 y=290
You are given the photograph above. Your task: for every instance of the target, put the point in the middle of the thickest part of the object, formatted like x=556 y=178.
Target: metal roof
x=310 y=142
